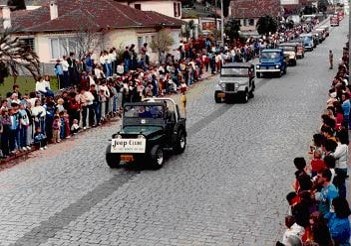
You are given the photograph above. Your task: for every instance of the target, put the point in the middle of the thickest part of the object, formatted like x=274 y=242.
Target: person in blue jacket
x=338 y=222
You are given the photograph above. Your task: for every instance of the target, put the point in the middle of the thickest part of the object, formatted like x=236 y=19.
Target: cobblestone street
x=228 y=188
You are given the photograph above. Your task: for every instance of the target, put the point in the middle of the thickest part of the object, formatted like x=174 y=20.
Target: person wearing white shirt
x=65 y=67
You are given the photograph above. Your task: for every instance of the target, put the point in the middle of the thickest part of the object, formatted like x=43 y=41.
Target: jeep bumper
x=268 y=70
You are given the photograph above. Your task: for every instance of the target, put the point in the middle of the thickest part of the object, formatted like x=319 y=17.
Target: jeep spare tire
x=180 y=144
x=113 y=160
x=157 y=157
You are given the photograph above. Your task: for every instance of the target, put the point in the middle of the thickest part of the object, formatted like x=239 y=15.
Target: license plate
x=221 y=94
x=127 y=158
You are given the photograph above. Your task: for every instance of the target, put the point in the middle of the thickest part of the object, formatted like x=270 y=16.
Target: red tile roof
x=102 y=14
x=247 y=9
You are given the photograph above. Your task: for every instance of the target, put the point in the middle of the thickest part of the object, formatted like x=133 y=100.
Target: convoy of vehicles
x=152 y=127
x=237 y=81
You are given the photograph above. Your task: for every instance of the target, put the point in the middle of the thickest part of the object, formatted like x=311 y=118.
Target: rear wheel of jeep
x=157 y=157
x=181 y=142
x=113 y=160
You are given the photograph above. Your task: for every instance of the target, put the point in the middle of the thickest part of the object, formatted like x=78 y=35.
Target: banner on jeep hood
x=122 y=145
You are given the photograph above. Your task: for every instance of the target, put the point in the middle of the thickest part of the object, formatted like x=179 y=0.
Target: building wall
x=287 y=2
x=163 y=7
x=246 y=25
x=116 y=38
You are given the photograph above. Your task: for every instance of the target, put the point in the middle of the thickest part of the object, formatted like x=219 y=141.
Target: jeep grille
x=229 y=87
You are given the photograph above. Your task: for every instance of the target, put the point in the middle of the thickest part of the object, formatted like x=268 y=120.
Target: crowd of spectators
x=93 y=90
x=318 y=209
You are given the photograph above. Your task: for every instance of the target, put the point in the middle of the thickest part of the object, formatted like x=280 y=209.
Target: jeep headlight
x=117 y=136
x=140 y=136
x=257 y=66
x=277 y=66
x=236 y=85
x=222 y=84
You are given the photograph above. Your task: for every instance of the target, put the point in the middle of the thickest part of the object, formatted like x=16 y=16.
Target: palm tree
x=16 y=55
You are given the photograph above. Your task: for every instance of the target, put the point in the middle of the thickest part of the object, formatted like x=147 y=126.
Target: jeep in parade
x=272 y=61
x=237 y=81
x=149 y=129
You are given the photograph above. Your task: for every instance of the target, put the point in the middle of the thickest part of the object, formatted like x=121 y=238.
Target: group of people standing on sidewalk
x=318 y=209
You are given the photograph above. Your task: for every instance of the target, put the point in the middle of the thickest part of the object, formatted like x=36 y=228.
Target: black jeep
x=149 y=128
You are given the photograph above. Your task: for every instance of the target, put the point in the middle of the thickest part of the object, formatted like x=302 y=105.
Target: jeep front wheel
x=113 y=160
x=157 y=157
x=181 y=142
x=245 y=97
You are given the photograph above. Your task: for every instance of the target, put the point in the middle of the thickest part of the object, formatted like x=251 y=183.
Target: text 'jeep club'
x=149 y=128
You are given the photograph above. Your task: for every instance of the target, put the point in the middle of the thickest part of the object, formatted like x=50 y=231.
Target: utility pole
x=222 y=23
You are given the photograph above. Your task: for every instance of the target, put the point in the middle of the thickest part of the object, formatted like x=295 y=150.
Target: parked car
x=149 y=128
x=272 y=61
x=290 y=50
x=237 y=80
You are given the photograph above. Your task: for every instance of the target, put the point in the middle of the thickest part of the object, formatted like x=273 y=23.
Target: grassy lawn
x=26 y=85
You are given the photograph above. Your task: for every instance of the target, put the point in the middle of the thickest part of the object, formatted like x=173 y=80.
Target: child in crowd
x=62 y=125
x=60 y=107
x=317 y=164
x=75 y=127
x=293 y=229
x=56 y=125
x=300 y=164
x=67 y=128
x=40 y=140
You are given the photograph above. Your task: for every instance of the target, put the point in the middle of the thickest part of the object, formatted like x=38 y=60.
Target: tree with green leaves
x=16 y=56
x=162 y=41
x=16 y=4
x=266 y=24
x=232 y=28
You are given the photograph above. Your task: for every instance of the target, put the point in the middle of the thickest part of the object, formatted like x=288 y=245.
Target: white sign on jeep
x=127 y=145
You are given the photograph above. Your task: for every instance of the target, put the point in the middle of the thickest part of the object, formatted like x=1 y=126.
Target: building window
x=245 y=22
x=177 y=8
x=140 y=42
x=28 y=42
x=137 y=6
x=251 y=22
x=63 y=46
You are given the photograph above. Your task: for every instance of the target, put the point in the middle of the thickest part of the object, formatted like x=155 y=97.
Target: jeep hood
x=145 y=130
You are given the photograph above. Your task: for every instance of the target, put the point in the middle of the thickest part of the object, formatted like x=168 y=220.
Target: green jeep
x=149 y=128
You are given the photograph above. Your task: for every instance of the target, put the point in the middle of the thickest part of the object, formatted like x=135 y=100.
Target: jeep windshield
x=269 y=56
x=307 y=39
x=288 y=48
x=234 y=72
x=144 y=111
